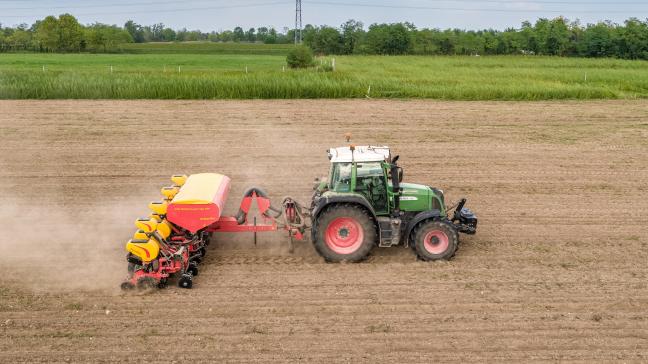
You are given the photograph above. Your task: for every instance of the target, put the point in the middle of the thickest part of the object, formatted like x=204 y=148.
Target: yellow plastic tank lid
x=200 y=189
x=179 y=179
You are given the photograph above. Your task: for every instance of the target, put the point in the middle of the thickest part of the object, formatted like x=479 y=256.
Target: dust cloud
x=50 y=249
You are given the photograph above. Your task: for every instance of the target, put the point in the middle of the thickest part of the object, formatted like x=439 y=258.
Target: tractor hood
x=415 y=197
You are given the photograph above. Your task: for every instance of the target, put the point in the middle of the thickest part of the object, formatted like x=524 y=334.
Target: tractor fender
x=325 y=201
x=418 y=218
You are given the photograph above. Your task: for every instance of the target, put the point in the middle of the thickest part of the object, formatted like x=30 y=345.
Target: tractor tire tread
x=365 y=220
x=453 y=236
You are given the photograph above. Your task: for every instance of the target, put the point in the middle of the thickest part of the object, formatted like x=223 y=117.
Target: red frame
x=228 y=224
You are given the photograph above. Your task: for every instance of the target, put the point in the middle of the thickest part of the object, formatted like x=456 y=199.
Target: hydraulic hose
x=272 y=212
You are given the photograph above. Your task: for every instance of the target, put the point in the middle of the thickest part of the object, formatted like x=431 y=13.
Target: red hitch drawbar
x=230 y=224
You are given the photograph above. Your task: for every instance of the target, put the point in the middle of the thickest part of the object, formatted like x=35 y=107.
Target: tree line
x=558 y=37
x=62 y=34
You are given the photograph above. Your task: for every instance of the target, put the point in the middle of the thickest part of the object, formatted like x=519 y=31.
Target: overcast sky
x=208 y=15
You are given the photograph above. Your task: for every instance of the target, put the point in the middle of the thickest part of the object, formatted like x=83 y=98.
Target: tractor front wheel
x=345 y=233
x=435 y=240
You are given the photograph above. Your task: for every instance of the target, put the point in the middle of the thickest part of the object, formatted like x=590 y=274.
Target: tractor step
x=390 y=231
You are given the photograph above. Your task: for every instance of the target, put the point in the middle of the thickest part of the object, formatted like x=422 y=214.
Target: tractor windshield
x=371 y=182
x=341 y=177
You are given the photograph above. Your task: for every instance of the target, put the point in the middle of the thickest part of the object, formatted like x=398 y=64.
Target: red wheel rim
x=344 y=235
x=436 y=242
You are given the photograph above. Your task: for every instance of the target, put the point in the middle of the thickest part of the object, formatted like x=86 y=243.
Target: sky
x=216 y=15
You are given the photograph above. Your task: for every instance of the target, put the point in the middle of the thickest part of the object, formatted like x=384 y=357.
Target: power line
x=512 y=2
x=531 y=2
x=345 y=4
x=169 y=10
x=386 y=6
x=107 y=6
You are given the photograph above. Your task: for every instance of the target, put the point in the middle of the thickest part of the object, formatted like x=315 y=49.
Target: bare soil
x=557 y=270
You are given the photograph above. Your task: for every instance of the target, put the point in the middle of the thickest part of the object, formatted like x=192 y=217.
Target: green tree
x=168 y=35
x=106 y=38
x=20 y=39
x=308 y=34
x=425 y=42
x=262 y=34
x=47 y=34
x=324 y=40
x=70 y=33
x=238 y=34
x=491 y=42
x=468 y=43
x=598 y=41
x=389 y=39
x=153 y=33
x=352 y=34
x=226 y=36
x=529 y=39
x=511 y=42
x=447 y=41
x=272 y=37
x=250 y=35
x=557 y=37
x=632 y=42
x=135 y=30
x=300 y=57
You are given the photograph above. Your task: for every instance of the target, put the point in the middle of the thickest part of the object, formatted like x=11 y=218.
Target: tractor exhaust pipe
x=395 y=177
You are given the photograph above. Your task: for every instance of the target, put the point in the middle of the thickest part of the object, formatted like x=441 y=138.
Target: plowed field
x=557 y=270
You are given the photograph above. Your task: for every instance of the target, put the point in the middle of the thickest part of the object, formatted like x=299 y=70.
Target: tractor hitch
x=464 y=219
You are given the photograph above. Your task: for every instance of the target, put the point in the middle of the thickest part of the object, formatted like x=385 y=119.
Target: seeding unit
x=174 y=237
x=363 y=203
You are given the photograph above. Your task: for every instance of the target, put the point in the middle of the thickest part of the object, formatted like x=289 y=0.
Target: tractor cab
x=363 y=170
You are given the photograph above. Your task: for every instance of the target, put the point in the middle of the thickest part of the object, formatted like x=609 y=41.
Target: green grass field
x=206 y=48
x=223 y=76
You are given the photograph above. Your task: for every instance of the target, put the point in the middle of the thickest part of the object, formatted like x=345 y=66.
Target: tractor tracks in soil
x=557 y=271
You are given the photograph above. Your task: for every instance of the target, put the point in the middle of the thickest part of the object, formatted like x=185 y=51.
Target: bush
x=300 y=57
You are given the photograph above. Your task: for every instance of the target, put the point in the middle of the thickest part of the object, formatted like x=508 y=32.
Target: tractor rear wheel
x=435 y=240
x=345 y=233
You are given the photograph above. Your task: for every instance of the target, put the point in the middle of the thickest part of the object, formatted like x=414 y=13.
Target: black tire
x=435 y=240
x=334 y=231
x=206 y=238
x=193 y=269
x=185 y=281
x=127 y=286
x=163 y=283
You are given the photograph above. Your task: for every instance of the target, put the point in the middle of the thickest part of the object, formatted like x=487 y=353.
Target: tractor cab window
x=371 y=182
x=341 y=177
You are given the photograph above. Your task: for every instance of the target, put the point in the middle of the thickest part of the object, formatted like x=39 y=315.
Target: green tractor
x=365 y=203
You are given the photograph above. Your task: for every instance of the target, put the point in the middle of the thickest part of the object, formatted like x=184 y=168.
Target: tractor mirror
x=400 y=174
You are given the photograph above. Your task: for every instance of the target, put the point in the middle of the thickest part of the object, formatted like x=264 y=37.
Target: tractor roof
x=360 y=154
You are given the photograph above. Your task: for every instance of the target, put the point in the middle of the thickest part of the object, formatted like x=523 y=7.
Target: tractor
x=365 y=203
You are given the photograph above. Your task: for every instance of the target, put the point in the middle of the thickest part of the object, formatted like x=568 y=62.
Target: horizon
x=207 y=16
